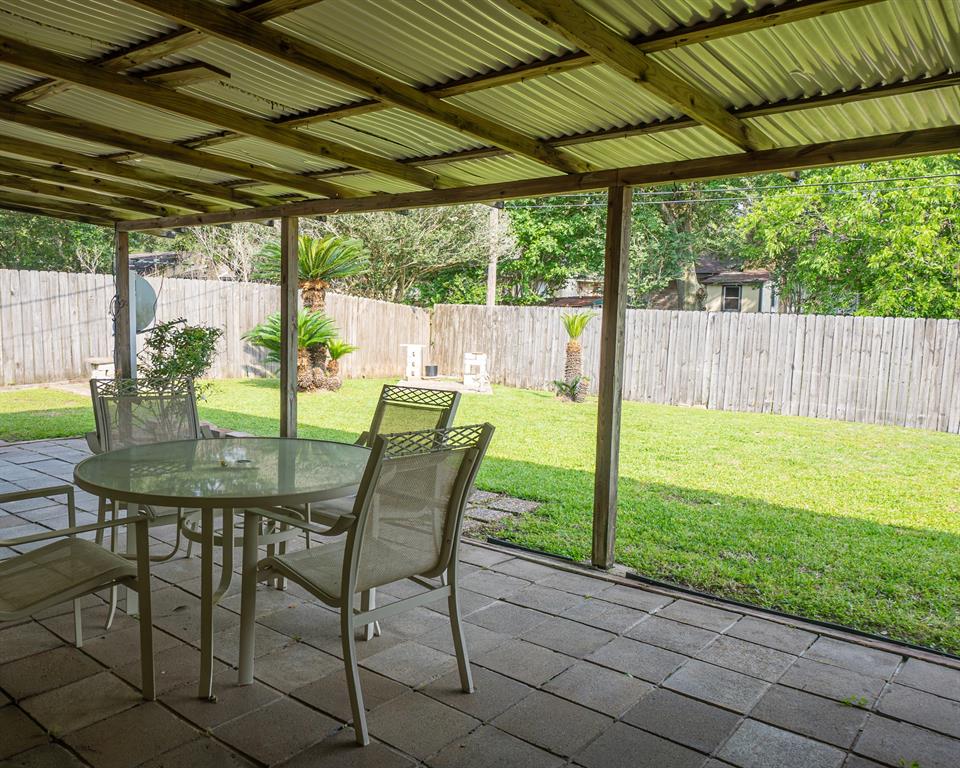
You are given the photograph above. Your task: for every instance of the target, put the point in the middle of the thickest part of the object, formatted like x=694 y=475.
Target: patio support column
x=616 y=264
x=289 y=272
x=123 y=331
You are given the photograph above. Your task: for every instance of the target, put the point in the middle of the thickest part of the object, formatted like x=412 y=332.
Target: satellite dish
x=145 y=303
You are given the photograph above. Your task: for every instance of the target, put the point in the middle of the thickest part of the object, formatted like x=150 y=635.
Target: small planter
x=430 y=372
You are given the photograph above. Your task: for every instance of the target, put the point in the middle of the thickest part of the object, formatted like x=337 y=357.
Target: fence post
x=616 y=264
x=289 y=273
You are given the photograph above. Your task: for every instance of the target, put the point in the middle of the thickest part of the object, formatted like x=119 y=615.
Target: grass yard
x=844 y=522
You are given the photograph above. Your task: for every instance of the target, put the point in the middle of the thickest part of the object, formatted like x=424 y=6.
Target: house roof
x=113 y=110
x=736 y=277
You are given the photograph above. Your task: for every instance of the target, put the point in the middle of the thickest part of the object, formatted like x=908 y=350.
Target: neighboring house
x=719 y=285
x=578 y=292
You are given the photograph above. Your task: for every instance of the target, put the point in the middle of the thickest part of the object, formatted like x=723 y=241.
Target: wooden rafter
x=63 y=192
x=182 y=75
x=911 y=143
x=65 y=206
x=34 y=210
x=239 y=30
x=588 y=33
x=81 y=129
x=946 y=80
x=29 y=57
x=167 y=182
x=158 y=48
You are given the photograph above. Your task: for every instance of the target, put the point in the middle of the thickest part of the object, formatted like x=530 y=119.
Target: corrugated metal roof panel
x=252 y=150
x=18 y=131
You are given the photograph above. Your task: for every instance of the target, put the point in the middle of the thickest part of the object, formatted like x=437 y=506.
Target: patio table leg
x=248 y=598
x=133 y=599
x=206 y=605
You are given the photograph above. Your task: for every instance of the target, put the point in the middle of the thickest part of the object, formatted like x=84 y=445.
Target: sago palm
x=575 y=323
x=314 y=329
x=335 y=350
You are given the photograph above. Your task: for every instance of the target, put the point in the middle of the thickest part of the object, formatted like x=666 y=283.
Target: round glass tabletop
x=229 y=472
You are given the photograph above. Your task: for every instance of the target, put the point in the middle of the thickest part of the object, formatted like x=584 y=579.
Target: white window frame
x=723 y=297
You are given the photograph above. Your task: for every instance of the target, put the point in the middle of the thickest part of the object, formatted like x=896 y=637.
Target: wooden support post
x=289 y=272
x=123 y=330
x=616 y=265
x=493 y=255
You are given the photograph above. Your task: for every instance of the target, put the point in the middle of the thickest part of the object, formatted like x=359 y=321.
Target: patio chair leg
x=349 y=644
x=368 y=601
x=459 y=641
x=101 y=518
x=77 y=624
x=248 y=597
x=114 y=590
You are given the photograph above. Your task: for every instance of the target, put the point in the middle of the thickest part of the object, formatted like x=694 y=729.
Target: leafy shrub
x=174 y=352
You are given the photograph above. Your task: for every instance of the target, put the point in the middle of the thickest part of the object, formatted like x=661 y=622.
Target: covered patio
x=196 y=113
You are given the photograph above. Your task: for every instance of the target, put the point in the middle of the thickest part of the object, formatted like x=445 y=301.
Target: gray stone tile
x=814 y=716
x=418 y=724
x=490 y=747
x=479 y=639
x=772 y=634
x=233 y=700
x=305 y=622
x=603 y=615
x=856 y=658
x=173 y=667
x=493 y=584
x=130 y=738
x=902 y=744
x=546 y=599
x=410 y=663
x=120 y=647
x=638 y=659
x=921 y=708
x=226 y=644
x=717 y=685
x=578 y=584
x=341 y=751
x=470 y=602
x=43 y=671
x=599 y=688
x=758 y=745
x=513 y=505
x=687 y=721
x=45 y=756
x=751 y=659
x=329 y=694
x=506 y=618
x=855 y=761
x=102 y=695
x=933 y=678
x=672 y=635
x=277 y=731
x=569 y=637
x=294 y=666
x=482 y=497
x=623 y=746
x=20 y=733
x=482 y=556
x=492 y=695
x=26 y=639
x=636 y=597
x=200 y=753
x=552 y=723
x=524 y=661
x=525 y=569
x=832 y=682
x=700 y=615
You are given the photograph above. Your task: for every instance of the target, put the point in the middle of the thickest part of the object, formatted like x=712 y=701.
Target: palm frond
x=325 y=259
x=338 y=348
x=575 y=323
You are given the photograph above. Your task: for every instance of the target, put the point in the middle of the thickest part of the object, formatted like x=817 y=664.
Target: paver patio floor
x=571 y=669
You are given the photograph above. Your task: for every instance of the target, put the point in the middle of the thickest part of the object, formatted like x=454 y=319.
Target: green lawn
x=844 y=522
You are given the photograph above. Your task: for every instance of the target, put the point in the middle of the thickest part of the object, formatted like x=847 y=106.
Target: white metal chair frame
x=473 y=440
x=139 y=582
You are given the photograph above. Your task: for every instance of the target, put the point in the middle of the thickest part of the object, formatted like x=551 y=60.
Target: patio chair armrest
x=281 y=515
x=74 y=530
x=36 y=493
x=364 y=439
x=93 y=442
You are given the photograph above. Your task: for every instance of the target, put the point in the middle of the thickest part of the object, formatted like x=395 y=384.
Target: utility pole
x=494 y=252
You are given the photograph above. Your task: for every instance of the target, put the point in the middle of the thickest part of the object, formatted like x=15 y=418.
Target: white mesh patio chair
x=405 y=524
x=71 y=567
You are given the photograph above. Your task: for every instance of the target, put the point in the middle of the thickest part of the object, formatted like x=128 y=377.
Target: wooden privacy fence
x=876 y=370
x=51 y=323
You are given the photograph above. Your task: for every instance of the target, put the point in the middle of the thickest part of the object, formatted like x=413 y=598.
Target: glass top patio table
x=226 y=473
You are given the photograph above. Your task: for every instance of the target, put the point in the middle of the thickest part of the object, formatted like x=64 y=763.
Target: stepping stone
x=486 y=515
x=513 y=505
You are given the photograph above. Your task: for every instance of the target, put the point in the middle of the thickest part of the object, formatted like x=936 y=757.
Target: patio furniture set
x=390 y=507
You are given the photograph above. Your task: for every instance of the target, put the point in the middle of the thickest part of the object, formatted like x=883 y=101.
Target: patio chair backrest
x=409 y=409
x=129 y=413
x=411 y=504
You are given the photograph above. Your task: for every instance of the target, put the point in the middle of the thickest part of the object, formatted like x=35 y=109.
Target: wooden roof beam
x=37 y=211
x=133 y=172
x=588 y=33
x=183 y=75
x=27 y=184
x=158 y=48
x=102 y=134
x=29 y=57
x=237 y=29
x=909 y=144
x=64 y=206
